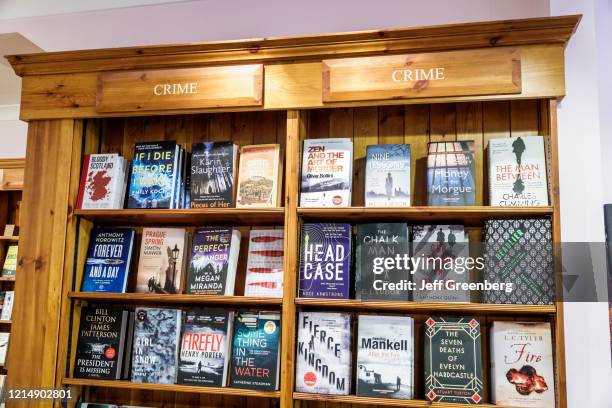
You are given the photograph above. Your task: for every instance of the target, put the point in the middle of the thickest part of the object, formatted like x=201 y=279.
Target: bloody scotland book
x=264 y=273
x=451 y=174
x=213 y=174
x=387 y=180
x=260 y=176
x=103 y=182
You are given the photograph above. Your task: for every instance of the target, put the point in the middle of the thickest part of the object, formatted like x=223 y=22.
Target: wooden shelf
x=169 y=388
x=153 y=299
x=6 y=321
x=11 y=239
x=388 y=402
x=7 y=279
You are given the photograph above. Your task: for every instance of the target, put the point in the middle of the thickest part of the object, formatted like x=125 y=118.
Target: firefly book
x=451 y=174
x=264 y=274
x=387 y=180
x=213 y=174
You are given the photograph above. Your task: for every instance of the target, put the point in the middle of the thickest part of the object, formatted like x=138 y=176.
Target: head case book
x=387 y=182
x=213 y=174
x=451 y=174
x=260 y=176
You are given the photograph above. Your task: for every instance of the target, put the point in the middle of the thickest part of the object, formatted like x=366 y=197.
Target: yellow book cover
x=259 y=176
x=10 y=262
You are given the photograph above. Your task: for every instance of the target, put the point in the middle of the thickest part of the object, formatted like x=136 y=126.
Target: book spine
x=83 y=181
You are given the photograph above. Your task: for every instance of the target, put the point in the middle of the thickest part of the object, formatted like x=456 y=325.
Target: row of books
x=9 y=268
x=202 y=347
x=212 y=261
x=164 y=175
x=520 y=357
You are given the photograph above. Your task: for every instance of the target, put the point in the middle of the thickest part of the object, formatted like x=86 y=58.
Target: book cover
x=451 y=174
x=385 y=357
x=4 y=342
x=265 y=263
x=453 y=360
x=101 y=343
x=95 y=405
x=387 y=180
x=102 y=182
x=214 y=258
x=155 y=345
x=325 y=261
x=10 y=261
x=260 y=177
x=160 y=265
x=213 y=174
x=522 y=365
x=519 y=254
x=327 y=173
x=382 y=262
x=205 y=347
x=7 y=305
x=517 y=172
x=255 y=352
x=323 y=358
x=441 y=252
x=108 y=260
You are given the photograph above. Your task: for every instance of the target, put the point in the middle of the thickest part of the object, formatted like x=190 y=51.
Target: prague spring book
x=522 y=365
x=108 y=260
x=9 y=268
x=205 y=347
x=103 y=182
x=260 y=176
x=264 y=273
x=451 y=174
x=213 y=174
x=387 y=180
x=256 y=351
x=323 y=358
x=385 y=357
x=517 y=172
x=327 y=173
x=325 y=261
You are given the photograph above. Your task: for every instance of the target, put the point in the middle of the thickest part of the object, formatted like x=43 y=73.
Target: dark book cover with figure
x=451 y=179
x=213 y=174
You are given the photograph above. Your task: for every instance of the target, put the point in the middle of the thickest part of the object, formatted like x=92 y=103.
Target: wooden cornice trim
x=12 y=163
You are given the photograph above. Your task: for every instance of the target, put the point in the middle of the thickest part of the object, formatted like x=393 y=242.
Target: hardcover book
x=155 y=345
x=451 y=174
x=325 y=261
x=382 y=267
x=522 y=365
x=323 y=358
x=108 y=260
x=385 y=357
x=7 y=304
x=517 y=172
x=214 y=258
x=205 y=347
x=453 y=360
x=4 y=342
x=213 y=174
x=103 y=182
x=101 y=343
x=327 y=173
x=256 y=351
x=260 y=176
x=10 y=261
x=387 y=180
x=519 y=254
x=160 y=265
x=265 y=266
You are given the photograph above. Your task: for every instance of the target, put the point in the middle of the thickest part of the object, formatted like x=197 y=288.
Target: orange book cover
x=259 y=176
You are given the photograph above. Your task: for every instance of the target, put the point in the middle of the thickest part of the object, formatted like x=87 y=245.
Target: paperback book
x=103 y=182
x=260 y=177
x=451 y=174
x=9 y=269
x=387 y=180
x=213 y=174
x=7 y=304
x=4 y=342
x=265 y=263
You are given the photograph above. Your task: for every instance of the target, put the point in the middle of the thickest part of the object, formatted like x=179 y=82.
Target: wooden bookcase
x=97 y=101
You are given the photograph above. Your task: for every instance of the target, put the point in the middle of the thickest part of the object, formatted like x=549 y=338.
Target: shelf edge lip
x=177 y=299
x=170 y=211
x=356 y=399
x=432 y=209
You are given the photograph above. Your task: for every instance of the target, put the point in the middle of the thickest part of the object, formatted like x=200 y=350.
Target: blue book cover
x=387 y=181
x=325 y=261
x=451 y=177
x=108 y=260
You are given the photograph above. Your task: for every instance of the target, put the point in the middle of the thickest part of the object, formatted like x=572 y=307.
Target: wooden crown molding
x=12 y=163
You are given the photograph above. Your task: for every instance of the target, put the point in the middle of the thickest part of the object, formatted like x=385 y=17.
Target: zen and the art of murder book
x=9 y=268
x=517 y=172
x=451 y=179
x=385 y=357
x=327 y=172
x=264 y=273
x=108 y=260
x=519 y=254
x=213 y=174
x=325 y=261
x=260 y=176
x=205 y=347
x=160 y=265
x=382 y=267
x=255 y=354
x=387 y=180
x=453 y=360
x=155 y=345
x=323 y=358
x=522 y=365
x=101 y=343
x=103 y=182
x=214 y=258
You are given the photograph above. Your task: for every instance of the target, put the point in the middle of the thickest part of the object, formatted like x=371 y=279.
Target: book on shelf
x=155 y=345
x=265 y=263
x=522 y=372
x=517 y=172
x=385 y=356
x=325 y=261
x=256 y=351
x=4 y=343
x=103 y=182
x=213 y=174
x=7 y=299
x=451 y=177
x=327 y=173
x=387 y=179
x=187 y=185
x=101 y=343
x=94 y=405
x=161 y=260
x=9 y=269
x=213 y=263
x=205 y=347
x=108 y=260
x=382 y=268
x=323 y=357
x=260 y=176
